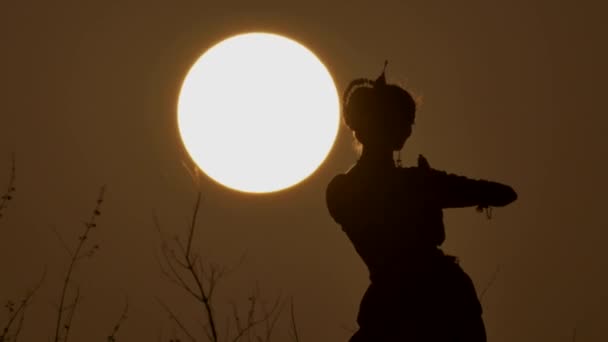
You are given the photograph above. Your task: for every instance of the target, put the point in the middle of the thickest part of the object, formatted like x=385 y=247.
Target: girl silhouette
x=393 y=217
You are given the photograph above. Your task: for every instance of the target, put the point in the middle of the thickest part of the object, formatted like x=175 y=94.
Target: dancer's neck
x=376 y=158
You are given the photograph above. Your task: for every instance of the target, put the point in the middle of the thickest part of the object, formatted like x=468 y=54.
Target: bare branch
x=156 y=223
x=184 y=267
x=271 y=323
x=207 y=332
x=237 y=318
x=185 y=262
x=123 y=317
x=294 y=328
x=193 y=223
x=72 y=311
x=20 y=311
x=174 y=318
x=490 y=283
x=268 y=316
x=62 y=241
x=19 y=326
x=193 y=171
x=75 y=257
x=175 y=276
x=10 y=189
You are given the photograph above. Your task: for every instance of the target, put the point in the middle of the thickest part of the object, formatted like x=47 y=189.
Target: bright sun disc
x=258 y=112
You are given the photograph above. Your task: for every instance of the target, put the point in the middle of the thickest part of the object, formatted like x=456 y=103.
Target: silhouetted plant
x=254 y=321
x=16 y=314
x=489 y=284
x=294 y=328
x=10 y=189
x=16 y=311
x=123 y=317
x=82 y=251
x=184 y=268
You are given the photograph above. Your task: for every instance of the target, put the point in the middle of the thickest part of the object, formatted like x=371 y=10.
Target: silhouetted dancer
x=393 y=216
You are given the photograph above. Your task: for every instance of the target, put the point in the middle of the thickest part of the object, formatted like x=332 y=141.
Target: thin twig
x=185 y=268
x=123 y=317
x=193 y=223
x=190 y=264
x=490 y=283
x=10 y=189
x=176 y=277
x=20 y=311
x=62 y=241
x=294 y=328
x=176 y=320
x=204 y=297
x=270 y=324
x=19 y=326
x=76 y=256
x=72 y=308
x=268 y=316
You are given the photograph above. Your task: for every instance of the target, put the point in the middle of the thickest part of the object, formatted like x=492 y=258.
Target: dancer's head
x=381 y=115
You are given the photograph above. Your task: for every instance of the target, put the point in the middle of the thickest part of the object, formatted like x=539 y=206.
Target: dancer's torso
x=391 y=217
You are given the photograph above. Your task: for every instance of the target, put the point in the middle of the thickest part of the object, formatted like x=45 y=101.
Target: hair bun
x=375 y=106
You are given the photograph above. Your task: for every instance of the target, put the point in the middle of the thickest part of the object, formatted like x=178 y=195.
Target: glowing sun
x=258 y=112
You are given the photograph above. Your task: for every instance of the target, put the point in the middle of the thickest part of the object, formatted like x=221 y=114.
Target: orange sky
x=512 y=91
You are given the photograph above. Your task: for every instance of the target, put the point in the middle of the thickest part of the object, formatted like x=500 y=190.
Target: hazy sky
x=513 y=91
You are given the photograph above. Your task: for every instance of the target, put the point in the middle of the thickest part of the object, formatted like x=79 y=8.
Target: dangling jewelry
x=489 y=213
x=398 y=160
x=485 y=209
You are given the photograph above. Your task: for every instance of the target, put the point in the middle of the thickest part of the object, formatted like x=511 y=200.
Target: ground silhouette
x=393 y=217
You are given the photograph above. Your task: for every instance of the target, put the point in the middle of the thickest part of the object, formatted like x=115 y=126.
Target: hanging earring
x=489 y=213
x=485 y=209
x=398 y=160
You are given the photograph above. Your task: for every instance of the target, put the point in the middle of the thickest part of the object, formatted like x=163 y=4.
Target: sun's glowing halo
x=258 y=112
